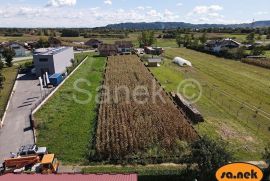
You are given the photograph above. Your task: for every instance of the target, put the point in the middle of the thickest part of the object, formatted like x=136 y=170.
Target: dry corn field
x=129 y=124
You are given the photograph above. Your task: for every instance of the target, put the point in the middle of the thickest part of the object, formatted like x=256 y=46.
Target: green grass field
x=150 y=170
x=267 y=54
x=10 y=76
x=250 y=84
x=66 y=126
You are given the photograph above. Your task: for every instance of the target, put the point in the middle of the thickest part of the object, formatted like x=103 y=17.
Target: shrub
x=209 y=156
x=265 y=63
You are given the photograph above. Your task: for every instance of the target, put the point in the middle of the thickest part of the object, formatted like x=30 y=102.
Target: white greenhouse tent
x=182 y=62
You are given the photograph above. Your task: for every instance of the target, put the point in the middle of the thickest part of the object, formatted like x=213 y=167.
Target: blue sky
x=92 y=13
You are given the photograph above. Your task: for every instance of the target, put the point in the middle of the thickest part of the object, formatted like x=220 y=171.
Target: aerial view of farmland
x=122 y=90
x=126 y=124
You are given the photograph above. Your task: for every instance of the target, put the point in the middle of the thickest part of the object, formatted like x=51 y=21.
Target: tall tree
x=209 y=156
x=268 y=36
x=179 y=40
x=257 y=51
x=8 y=55
x=187 y=40
x=203 y=38
x=147 y=38
x=251 y=37
x=43 y=43
x=2 y=78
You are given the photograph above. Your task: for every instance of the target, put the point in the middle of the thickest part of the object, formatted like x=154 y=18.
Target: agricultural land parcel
x=131 y=124
x=246 y=133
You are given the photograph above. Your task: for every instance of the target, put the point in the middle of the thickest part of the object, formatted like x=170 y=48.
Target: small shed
x=181 y=62
x=153 y=62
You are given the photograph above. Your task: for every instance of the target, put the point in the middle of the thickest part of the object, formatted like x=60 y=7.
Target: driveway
x=16 y=130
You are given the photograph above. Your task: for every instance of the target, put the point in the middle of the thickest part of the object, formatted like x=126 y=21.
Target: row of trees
x=2 y=78
x=147 y=38
x=8 y=55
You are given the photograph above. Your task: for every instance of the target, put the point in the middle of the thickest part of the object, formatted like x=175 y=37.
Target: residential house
x=20 y=50
x=52 y=60
x=93 y=43
x=218 y=45
x=154 y=50
x=107 y=50
x=124 y=47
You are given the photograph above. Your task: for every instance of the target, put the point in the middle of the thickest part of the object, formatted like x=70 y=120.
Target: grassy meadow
x=10 y=74
x=65 y=125
x=224 y=116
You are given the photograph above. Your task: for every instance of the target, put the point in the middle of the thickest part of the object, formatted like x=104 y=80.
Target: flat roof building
x=53 y=60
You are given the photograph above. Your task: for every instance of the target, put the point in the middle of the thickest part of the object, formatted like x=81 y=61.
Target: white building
x=53 y=60
x=19 y=49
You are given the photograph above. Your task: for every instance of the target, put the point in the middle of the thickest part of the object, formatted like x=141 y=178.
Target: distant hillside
x=174 y=25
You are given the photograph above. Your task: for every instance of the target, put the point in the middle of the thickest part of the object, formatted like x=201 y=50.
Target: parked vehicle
x=12 y=164
x=29 y=150
x=30 y=159
x=49 y=164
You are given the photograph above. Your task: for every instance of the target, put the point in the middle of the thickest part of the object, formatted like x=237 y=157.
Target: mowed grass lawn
x=267 y=53
x=247 y=83
x=66 y=126
x=10 y=74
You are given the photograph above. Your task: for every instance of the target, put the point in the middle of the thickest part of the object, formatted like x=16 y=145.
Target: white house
x=19 y=49
x=219 y=45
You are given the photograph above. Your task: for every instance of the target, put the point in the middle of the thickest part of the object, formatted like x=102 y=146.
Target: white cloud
x=60 y=3
x=259 y=13
x=108 y=2
x=179 y=4
x=153 y=13
x=35 y=16
x=140 y=8
x=206 y=9
x=206 y=14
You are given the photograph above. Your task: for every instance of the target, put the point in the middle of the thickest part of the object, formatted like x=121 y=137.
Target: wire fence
x=252 y=117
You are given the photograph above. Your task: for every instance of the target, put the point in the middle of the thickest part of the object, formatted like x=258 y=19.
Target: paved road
x=16 y=130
